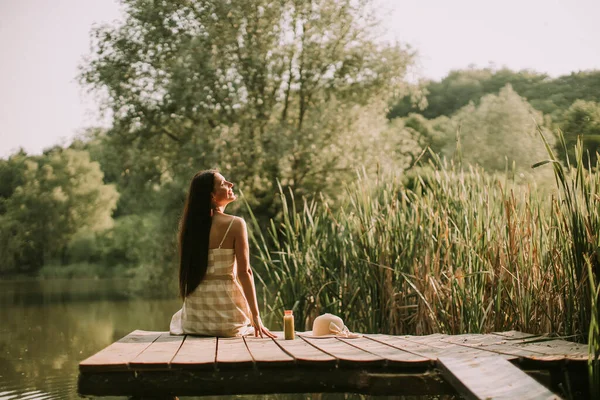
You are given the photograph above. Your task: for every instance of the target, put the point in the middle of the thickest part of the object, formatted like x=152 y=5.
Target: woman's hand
x=259 y=328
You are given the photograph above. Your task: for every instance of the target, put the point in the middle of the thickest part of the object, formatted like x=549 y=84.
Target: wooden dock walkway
x=500 y=365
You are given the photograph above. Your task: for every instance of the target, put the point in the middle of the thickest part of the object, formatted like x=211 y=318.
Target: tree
x=500 y=132
x=583 y=118
x=54 y=196
x=460 y=87
x=263 y=90
x=552 y=96
x=137 y=190
x=432 y=133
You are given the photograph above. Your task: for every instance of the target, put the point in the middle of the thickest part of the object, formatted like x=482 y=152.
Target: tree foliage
x=551 y=96
x=583 y=119
x=44 y=201
x=292 y=93
x=263 y=90
x=499 y=133
x=434 y=133
x=135 y=174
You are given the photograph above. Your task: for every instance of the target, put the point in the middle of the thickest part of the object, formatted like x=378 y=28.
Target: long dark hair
x=194 y=232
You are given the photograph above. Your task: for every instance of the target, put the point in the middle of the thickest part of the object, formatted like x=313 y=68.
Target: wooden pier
x=507 y=365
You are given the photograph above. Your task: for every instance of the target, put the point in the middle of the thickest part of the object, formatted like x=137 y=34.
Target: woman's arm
x=245 y=275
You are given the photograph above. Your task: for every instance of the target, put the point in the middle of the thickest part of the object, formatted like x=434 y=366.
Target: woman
x=215 y=278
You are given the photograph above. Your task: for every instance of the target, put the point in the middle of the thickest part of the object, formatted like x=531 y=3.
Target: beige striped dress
x=218 y=306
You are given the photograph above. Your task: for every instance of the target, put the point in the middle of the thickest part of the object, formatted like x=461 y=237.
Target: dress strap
x=226 y=232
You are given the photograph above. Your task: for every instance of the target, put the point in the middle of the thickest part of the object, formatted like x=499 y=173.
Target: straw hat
x=331 y=325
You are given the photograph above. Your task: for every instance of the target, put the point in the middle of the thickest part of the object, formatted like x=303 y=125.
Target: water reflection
x=47 y=327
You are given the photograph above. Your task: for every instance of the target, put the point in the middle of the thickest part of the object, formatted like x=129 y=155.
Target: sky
x=42 y=43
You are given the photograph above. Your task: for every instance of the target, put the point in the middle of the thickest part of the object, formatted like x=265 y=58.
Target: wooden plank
x=196 y=353
x=448 y=341
x=233 y=353
x=570 y=350
x=515 y=334
x=405 y=345
x=265 y=352
x=491 y=378
x=392 y=355
x=117 y=356
x=439 y=342
x=475 y=339
x=522 y=353
x=312 y=366
x=456 y=350
x=491 y=339
x=159 y=354
x=304 y=353
x=498 y=345
x=346 y=354
x=428 y=350
x=480 y=341
x=433 y=338
x=479 y=345
x=302 y=379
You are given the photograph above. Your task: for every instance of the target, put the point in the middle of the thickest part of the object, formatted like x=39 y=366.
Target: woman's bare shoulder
x=225 y=218
x=238 y=222
x=238 y=225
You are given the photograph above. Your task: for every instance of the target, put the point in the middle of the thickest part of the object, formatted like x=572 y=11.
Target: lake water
x=48 y=327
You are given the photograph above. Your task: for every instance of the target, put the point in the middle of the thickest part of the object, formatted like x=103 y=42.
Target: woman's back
x=221 y=257
x=215 y=278
x=219 y=232
x=217 y=307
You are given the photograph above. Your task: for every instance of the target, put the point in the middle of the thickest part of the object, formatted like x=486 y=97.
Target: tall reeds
x=577 y=214
x=456 y=250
